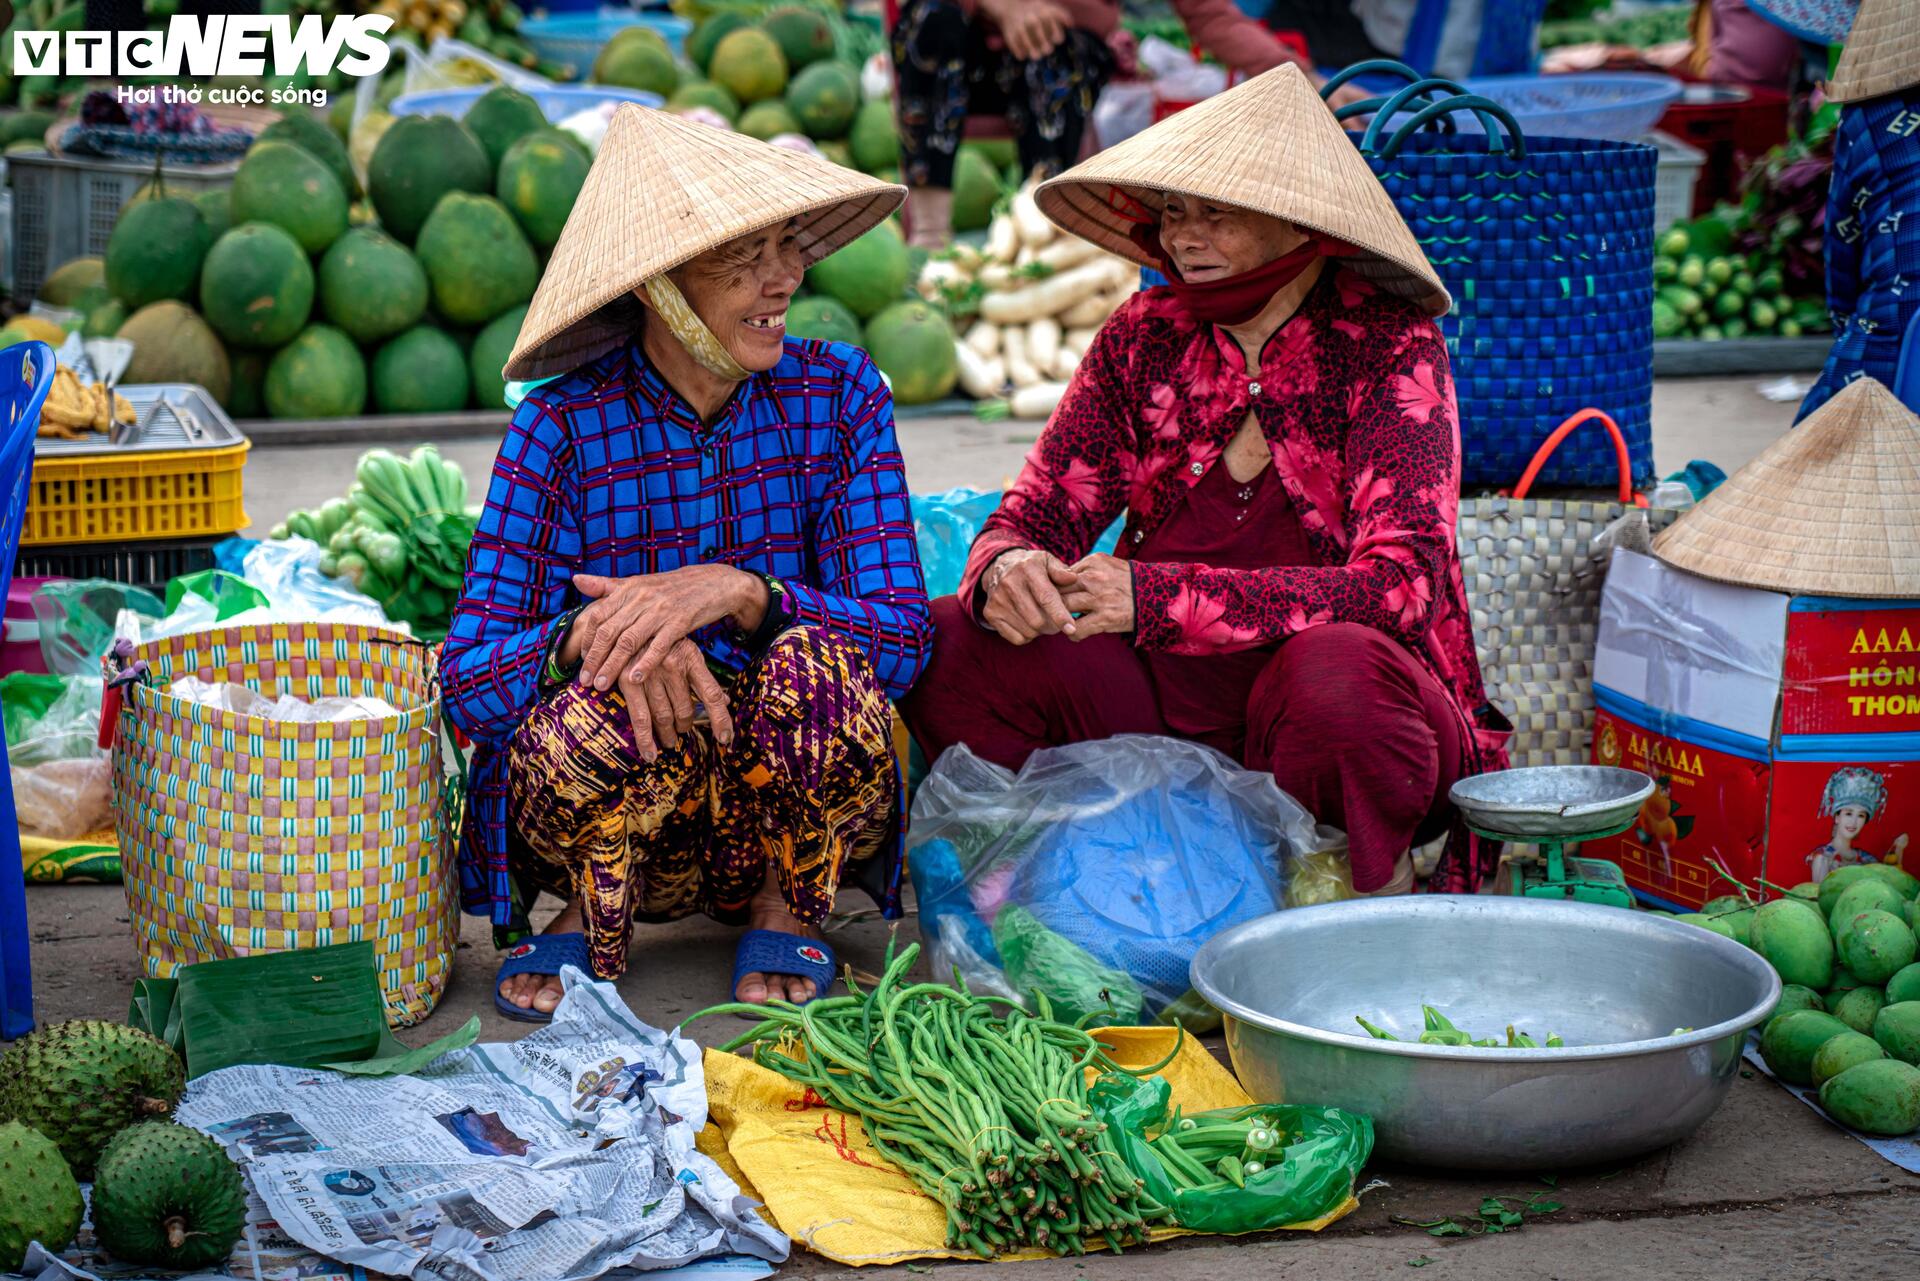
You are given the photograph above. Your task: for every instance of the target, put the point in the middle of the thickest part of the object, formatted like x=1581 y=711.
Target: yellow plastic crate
x=95 y=498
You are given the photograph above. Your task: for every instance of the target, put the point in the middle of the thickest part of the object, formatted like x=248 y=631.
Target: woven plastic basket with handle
x=242 y=835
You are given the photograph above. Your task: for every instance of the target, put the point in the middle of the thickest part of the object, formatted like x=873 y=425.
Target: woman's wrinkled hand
x=639 y=620
x=665 y=703
x=1023 y=597
x=1102 y=597
x=1032 y=28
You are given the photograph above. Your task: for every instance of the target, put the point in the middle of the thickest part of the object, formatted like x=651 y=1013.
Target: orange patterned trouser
x=808 y=784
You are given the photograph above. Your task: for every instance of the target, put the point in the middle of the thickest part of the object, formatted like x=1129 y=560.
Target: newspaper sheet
x=561 y=1157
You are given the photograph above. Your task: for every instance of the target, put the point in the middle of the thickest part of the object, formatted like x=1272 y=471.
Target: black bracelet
x=551 y=671
x=774 y=621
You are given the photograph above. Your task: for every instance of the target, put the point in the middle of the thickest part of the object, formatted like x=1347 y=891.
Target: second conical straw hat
x=1832 y=508
x=1882 y=54
x=662 y=190
x=1269 y=145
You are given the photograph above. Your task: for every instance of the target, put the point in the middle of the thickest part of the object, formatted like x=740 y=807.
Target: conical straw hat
x=664 y=190
x=1269 y=145
x=1832 y=508
x=1882 y=54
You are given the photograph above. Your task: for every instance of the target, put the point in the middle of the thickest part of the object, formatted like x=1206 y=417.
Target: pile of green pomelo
x=1848 y=1022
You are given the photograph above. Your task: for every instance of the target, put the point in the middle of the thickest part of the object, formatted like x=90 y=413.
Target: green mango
x=1793 y=938
x=1858 y=1008
x=1790 y=1042
x=1879 y=1096
x=1897 y=1028
x=1842 y=1052
x=1874 y=945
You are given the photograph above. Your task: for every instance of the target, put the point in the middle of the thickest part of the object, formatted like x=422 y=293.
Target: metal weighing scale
x=1549 y=807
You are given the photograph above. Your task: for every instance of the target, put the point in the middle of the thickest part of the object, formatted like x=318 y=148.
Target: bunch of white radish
x=1037 y=295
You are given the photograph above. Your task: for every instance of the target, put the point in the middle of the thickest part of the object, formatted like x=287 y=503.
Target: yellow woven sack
x=824 y=1185
x=240 y=835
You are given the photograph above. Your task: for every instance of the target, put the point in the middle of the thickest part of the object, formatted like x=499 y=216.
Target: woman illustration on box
x=1855 y=796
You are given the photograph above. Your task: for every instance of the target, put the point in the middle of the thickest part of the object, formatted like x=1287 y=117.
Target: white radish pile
x=1038 y=296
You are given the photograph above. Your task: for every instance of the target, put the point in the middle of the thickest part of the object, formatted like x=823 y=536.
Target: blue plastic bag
x=945 y=525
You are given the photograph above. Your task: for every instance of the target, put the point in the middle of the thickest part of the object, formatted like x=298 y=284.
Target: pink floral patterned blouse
x=1356 y=399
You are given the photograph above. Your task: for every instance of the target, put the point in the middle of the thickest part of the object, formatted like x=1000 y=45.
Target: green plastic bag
x=1311 y=1176
x=229 y=594
x=1037 y=959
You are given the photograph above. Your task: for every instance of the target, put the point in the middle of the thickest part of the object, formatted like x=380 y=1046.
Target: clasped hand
x=1032 y=594
x=633 y=635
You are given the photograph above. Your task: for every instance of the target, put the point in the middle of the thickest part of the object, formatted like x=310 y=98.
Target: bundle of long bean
x=982 y=1104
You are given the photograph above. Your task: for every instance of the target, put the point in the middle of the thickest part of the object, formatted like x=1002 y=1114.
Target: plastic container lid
x=1619 y=105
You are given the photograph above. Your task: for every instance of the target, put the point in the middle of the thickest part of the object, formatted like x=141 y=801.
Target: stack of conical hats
x=1832 y=508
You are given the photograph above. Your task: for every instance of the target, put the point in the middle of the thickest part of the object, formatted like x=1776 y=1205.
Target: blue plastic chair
x=1906 y=373
x=26 y=373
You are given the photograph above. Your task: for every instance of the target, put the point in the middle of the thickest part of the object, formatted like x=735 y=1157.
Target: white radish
x=1024 y=257
x=1043 y=343
x=996 y=275
x=1035 y=230
x=1080 y=339
x=1036 y=401
x=1003 y=240
x=1049 y=297
x=1013 y=348
x=1066 y=360
x=967 y=257
x=981 y=377
x=1088 y=311
x=984 y=338
x=1068 y=251
x=939 y=276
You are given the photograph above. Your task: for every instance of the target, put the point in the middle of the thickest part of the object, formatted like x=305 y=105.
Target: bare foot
x=542 y=991
x=768 y=911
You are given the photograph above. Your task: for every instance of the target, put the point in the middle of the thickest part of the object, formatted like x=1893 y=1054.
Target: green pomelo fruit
x=767 y=120
x=749 y=65
x=418 y=160
x=502 y=117
x=371 y=286
x=286 y=186
x=868 y=275
x=1793 y=938
x=476 y=259
x=1790 y=1042
x=705 y=93
x=79 y=1083
x=318 y=375
x=1858 y=1008
x=155 y=251
x=976 y=189
x=637 y=64
x=318 y=140
x=913 y=345
x=491 y=347
x=172 y=344
x=248 y=397
x=824 y=98
x=257 y=287
x=826 y=319
x=804 y=35
x=1904 y=985
x=1842 y=1052
x=168 y=1196
x=1897 y=1028
x=216 y=206
x=422 y=371
x=540 y=178
x=39 y=1198
x=874 y=138
x=708 y=35
x=67 y=282
x=1880 y=1096
x=1874 y=945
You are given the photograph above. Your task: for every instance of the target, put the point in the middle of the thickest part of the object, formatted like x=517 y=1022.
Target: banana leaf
x=315 y=1007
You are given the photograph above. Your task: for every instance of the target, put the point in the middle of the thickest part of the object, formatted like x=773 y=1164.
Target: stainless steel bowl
x=1552 y=800
x=1613 y=983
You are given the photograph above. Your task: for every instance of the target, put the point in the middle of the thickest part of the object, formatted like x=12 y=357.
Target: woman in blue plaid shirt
x=694 y=589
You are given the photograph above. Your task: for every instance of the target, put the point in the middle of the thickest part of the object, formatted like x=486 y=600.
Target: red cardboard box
x=1784 y=732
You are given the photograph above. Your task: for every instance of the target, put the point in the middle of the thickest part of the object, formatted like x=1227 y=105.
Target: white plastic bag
x=232 y=696
x=1097 y=871
x=1125 y=108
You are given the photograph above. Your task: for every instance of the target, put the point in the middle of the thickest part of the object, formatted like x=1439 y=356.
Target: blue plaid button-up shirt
x=608 y=471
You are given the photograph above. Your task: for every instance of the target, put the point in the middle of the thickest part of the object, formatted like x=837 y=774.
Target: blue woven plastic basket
x=26 y=374
x=1546 y=245
x=558 y=103
x=577 y=38
x=1622 y=105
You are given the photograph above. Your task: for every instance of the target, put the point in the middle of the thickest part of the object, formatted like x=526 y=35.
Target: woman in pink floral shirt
x=1278 y=430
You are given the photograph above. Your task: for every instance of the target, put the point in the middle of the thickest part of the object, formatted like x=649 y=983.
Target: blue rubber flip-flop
x=776 y=952
x=543 y=954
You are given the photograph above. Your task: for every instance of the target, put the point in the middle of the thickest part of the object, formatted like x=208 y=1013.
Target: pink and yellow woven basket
x=242 y=835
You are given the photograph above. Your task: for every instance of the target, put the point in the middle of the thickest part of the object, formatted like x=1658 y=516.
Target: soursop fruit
x=39 y=1199
x=168 y=1195
x=79 y=1083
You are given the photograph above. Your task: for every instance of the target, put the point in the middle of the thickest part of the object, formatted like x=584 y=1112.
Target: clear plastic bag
x=1115 y=857
x=65 y=799
x=229 y=696
x=77 y=618
x=62 y=781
